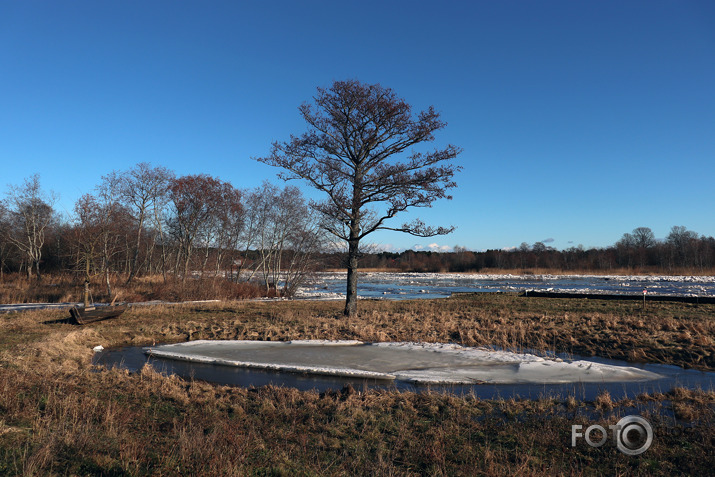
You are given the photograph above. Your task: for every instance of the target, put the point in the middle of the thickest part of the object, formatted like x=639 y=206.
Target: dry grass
x=14 y=288
x=59 y=416
x=70 y=288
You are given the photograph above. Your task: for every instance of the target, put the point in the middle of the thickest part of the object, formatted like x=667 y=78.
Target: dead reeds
x=63 y=288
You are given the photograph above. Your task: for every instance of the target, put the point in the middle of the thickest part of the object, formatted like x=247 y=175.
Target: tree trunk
x=135 y=257
x=109 y=285
x=133 y=264
x=163 y=242
x=351 y=293
x=86 y=281
x=178 y=260
x=163 y=259
x=186 y=263
x=150 y=257
x=207 y=252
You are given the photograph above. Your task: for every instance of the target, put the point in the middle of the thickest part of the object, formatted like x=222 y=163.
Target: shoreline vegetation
x=61 y=415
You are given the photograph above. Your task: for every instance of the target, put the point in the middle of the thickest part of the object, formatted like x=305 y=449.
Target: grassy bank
x=59 y=416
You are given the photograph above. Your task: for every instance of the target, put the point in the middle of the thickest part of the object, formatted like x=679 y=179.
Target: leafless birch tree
x=31 y=213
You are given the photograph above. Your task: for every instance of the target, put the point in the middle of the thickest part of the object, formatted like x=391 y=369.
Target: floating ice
x=411 y=362
x=385 y=285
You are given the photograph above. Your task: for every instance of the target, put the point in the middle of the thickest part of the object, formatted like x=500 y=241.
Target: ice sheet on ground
x=412 y=362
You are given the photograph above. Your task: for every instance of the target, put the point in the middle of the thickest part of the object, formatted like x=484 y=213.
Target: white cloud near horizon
x=433 y=247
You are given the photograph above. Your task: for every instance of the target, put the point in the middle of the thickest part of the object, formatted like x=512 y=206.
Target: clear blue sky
x=579 y=120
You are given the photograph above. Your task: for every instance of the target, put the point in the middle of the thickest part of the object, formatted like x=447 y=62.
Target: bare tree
x=31 y=213
x=683 y=244
x=250 y=232
x=643 y=237
x=263 y=231
x=229 y=223
x=625 y=249
x=160 y=212
x=287 y=236
x=301 y=243
x=282 y=219
x=524 y=251
x=194 y=199
x=355 y=132
x=142 y=189
x=100 y=222
x=87 y=232
x=644 y=241
x=5 y=245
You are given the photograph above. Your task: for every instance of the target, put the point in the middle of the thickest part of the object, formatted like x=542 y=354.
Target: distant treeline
x=147 y=221
x=639 y=251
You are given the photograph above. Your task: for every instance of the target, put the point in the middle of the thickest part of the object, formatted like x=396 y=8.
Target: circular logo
x=634 y=435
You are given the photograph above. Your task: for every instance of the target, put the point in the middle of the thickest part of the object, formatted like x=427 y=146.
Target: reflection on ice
x=409 y=362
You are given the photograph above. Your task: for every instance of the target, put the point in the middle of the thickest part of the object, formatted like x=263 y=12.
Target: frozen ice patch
x=411 y=362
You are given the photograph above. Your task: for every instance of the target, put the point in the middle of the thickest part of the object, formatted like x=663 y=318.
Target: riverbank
x=58 y=415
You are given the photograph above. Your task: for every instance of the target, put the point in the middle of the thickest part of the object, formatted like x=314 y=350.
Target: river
x=401 y=286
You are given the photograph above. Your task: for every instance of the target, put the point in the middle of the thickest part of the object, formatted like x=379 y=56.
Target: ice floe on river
x=391 y=285
x=410 y=362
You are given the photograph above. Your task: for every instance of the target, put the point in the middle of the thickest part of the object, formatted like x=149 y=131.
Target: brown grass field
x=67 y=288
x=60 y=415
